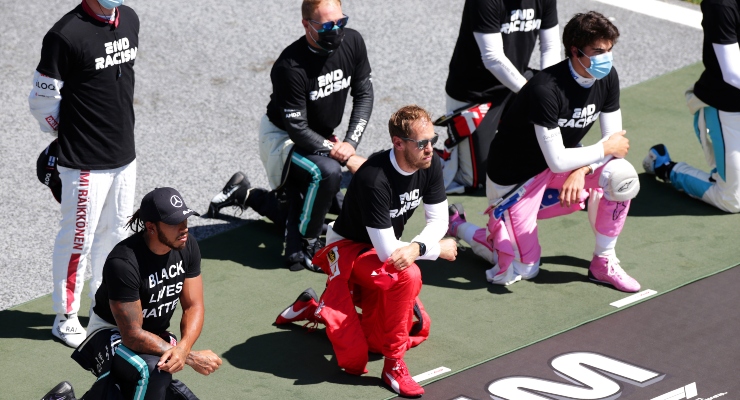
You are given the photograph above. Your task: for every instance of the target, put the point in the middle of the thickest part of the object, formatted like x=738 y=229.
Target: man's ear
x=573 y=52
x=150 y=226
x=397 y=143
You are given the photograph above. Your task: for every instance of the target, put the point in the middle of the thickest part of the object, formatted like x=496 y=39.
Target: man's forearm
x=437 y=220
x=362 y=108
x=145 y=343
x=191 y=325
x=129 y=321
x=302 y=135
x=355 y=162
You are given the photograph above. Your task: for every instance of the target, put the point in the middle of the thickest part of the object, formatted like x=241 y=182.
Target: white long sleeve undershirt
x=560 y=159
x=610 y=123
x=385 y=242
x=728 y=56
x=491 y=47
x=549 y=46
x=44 y=102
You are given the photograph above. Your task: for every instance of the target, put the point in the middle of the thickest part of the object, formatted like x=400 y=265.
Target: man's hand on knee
x=204 y=362
x=173 y=360
x=573 y=186
x=448 y=249
x=342 y=151
x=617 y=145
x=403 y=257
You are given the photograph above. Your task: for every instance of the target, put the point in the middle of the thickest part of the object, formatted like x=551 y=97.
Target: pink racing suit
x=513 y=236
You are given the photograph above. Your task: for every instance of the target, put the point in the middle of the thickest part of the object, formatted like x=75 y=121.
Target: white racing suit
x=95 y=207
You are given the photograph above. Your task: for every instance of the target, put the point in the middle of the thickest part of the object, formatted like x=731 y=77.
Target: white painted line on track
x=430 y=374
x=635 y=297
x=659 y=9
x=687 y=392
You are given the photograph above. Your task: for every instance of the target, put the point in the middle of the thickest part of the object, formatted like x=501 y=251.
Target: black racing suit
x=310 y=90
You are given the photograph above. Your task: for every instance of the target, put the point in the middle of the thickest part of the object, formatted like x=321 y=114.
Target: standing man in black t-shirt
x=83 y=92
x=536 y=168
x=145 y=277
x=715 y=102
x=364 y=244
x=311 y=80
x=492 y=53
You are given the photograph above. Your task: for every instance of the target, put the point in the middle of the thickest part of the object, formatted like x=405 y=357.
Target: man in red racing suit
x=367 y=264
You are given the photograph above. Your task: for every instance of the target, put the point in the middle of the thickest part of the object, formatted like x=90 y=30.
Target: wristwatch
x=422 y=248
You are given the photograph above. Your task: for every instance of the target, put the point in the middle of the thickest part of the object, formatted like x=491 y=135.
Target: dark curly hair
x=135 y=223
x=584 y=29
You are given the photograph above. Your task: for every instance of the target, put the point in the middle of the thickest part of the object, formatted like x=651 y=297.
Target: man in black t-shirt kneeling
x=489 y=65
x=144 y=278
x=370 y=267
x=537 y=168
x=714 y=102
x=299 y=148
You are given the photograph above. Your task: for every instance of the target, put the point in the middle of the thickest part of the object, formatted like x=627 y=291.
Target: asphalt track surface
x=654 y=336
x=202 y=84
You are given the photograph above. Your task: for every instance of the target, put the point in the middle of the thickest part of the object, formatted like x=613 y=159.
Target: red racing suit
x=389 y=302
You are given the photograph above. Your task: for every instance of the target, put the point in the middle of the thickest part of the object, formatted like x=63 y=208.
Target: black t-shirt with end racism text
x=302 y=79
x=380 y=197
x=518 y=22
x=552 y=99
x=132 y=272
x=96 y=114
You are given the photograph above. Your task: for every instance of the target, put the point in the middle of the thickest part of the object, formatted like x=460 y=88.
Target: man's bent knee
x=410 y=275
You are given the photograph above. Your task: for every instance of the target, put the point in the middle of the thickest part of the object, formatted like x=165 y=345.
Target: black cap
x=46 y=169
x=166 y=205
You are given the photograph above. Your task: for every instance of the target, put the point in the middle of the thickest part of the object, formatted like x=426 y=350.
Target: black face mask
x=329 y=40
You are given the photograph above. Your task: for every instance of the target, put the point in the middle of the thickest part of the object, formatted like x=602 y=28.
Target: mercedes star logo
x=176 y=201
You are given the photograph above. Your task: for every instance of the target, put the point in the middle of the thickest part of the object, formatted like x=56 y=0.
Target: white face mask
x=110 y=4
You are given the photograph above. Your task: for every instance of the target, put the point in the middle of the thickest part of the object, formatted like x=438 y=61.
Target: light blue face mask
x=600 y=64
x=110 y=4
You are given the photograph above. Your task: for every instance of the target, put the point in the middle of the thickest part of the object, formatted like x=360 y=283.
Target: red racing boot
x=301 y=309
x=396 y=375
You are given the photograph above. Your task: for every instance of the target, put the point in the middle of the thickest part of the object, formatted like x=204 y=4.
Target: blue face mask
x=600 y=64
x=110 y=4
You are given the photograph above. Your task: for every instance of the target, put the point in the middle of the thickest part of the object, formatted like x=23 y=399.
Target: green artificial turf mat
x=669 y=240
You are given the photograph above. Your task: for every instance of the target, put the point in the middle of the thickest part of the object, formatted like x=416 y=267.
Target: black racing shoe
x=303 y=259
x=234 y=194
x=62 y=391
x=310 y=250
x=295 y=261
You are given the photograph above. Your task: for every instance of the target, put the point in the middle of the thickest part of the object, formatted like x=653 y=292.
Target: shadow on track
x=468 y=272
x=257 y=245
x=659 y=199
x=28 y=325
x=275 y=353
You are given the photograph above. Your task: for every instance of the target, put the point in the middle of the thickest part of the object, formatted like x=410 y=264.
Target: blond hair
x=309 y=7
x=400 y=122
